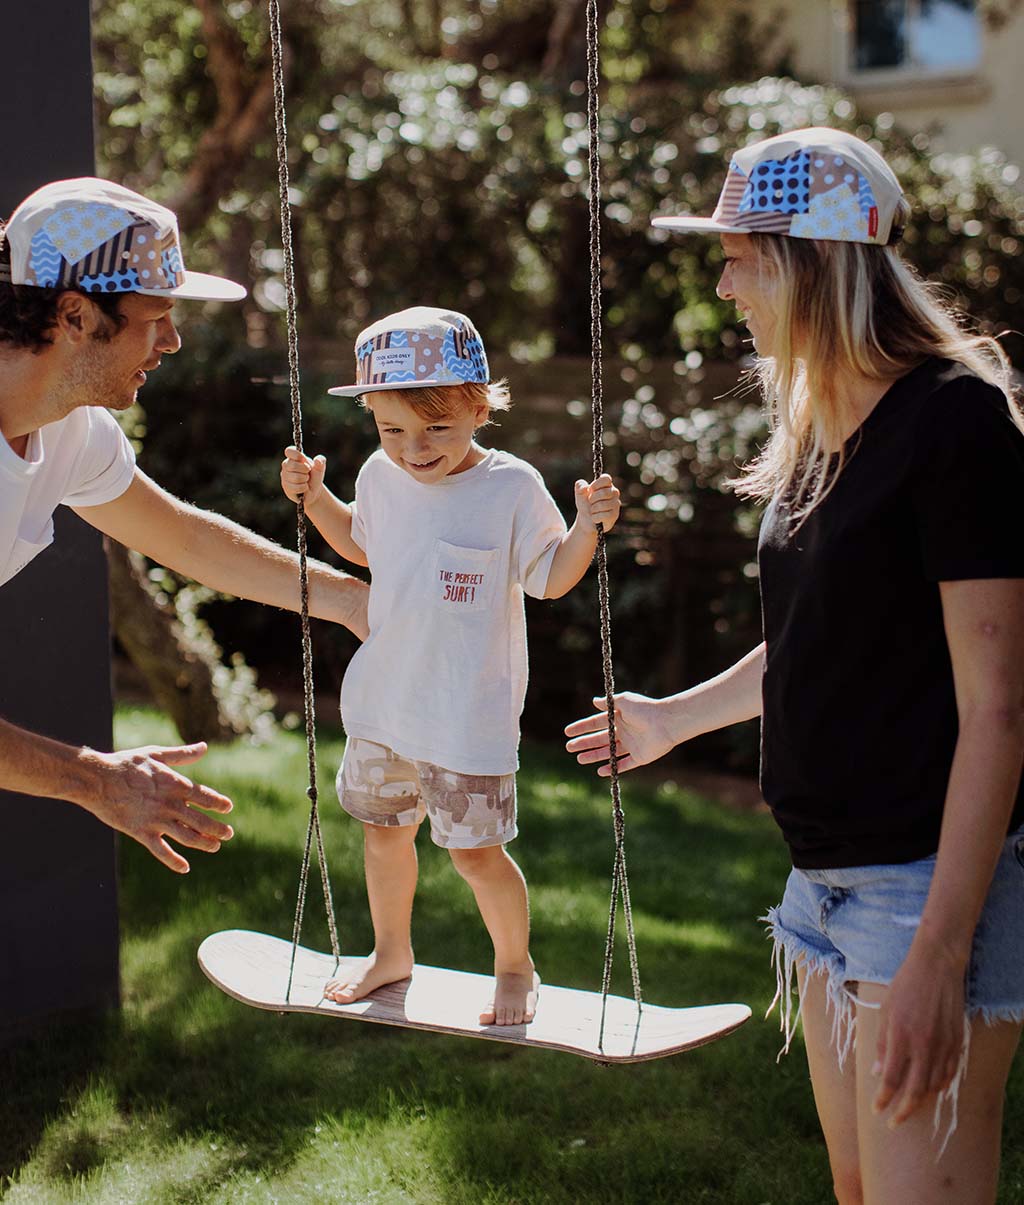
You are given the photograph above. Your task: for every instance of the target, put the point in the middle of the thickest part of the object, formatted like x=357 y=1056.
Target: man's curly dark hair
x=28 y=315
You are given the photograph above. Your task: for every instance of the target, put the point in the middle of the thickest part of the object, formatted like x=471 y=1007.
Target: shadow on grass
x=509 y=1124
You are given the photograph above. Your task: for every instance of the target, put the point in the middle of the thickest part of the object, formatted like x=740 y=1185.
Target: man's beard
x=91 y=380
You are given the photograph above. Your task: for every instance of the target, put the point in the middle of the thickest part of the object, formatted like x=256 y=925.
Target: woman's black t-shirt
x=859 y=718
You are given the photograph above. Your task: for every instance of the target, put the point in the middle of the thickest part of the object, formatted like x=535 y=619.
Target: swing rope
x=620 y=880
x=313 y=828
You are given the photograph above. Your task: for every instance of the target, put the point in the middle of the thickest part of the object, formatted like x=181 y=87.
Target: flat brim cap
x=417 y=348
x=816 y=183
x=200 y=286
x=100 y=237
x=698 y=225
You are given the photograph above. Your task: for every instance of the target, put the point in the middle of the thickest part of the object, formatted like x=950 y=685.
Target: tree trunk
x=245 y=103
x=179 y=676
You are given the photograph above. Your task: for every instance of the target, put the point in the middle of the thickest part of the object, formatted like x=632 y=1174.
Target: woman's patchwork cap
x=816 y=183
x=96 y=236
x=417 y=348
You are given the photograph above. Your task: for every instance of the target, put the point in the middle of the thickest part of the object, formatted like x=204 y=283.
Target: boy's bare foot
x=515 y=999
x=375 y=972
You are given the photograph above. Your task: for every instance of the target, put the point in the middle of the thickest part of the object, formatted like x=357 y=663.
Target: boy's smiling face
x=428 y=449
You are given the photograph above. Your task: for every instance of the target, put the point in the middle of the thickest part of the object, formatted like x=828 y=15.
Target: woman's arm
x=922 y=1019
x=646 y=729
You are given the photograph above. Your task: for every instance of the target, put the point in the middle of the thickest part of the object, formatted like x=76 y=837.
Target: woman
x=891 y=679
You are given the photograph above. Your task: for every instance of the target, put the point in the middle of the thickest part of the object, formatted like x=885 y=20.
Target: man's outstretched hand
x=140 y=793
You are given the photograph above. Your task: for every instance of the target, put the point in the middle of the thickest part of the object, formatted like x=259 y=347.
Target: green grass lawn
x=189 y=1096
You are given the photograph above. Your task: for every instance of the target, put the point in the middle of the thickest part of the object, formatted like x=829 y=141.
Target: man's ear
x=77 y=317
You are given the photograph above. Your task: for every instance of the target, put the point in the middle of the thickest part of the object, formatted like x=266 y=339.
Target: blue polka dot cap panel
x=779 y=186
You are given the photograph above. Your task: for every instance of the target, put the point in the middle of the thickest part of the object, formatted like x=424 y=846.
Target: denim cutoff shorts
x=856 y=924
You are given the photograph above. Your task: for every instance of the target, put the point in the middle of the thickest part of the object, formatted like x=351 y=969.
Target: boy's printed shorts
x=467 y=811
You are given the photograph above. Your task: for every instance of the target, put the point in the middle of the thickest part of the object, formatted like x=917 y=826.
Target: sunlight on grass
x=188 y=1096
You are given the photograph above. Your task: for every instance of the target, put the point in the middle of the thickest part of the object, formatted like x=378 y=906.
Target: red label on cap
x=872 y=221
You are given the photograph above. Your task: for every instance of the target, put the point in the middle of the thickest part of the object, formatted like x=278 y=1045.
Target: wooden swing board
x=253 y=968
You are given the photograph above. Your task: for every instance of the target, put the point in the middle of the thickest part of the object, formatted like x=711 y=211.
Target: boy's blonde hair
x=851 y=310
x=442 y=401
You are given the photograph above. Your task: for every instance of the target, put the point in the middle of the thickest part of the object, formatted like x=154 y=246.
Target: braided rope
x=281 y=131
x=620 y=881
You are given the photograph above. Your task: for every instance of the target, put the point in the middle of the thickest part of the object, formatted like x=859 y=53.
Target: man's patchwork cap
x=99 y=237
x=816 y=183
x=417 y=348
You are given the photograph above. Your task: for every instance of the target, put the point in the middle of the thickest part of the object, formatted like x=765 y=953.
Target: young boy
x=453 y=535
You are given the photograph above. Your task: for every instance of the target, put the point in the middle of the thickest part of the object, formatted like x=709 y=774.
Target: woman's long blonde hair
x=852 y=309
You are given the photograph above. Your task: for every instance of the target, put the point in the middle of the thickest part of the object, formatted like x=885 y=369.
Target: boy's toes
x=489 y=1016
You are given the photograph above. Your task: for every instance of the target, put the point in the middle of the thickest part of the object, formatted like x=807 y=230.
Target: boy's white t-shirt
x=442 y=675
x=83 y=459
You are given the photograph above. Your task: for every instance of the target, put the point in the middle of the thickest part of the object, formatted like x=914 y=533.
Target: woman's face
x=745 y=280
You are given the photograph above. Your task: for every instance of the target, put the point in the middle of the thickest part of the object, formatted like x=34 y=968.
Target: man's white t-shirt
x=442 y=675
x=81 y=460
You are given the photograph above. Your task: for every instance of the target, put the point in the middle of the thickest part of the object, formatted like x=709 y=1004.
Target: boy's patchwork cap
x=816 y=183
x=416 y=348
x=96 y=236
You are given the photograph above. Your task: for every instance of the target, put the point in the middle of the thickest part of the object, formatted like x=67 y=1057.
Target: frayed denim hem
x=789 y=952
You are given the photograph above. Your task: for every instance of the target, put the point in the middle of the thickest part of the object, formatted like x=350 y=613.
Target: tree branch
x=244 y=106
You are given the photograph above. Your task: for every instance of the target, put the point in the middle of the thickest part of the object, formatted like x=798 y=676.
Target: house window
x=920 y=36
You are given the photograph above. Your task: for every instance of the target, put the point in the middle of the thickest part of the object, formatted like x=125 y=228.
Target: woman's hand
x=641 y=733
x=921 y=1030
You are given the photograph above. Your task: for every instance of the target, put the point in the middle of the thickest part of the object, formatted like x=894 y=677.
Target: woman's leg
x=903 y=1164
x=500 y=891
x=835 y=1090
x=389 y=854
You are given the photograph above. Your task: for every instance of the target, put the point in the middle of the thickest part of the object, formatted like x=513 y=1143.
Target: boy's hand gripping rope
x=620 y=881
x=281 y=130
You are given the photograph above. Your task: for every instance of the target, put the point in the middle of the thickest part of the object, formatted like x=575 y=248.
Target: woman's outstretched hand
x=641 y=733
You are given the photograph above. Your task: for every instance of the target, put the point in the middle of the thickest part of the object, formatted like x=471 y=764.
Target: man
x=89 y=274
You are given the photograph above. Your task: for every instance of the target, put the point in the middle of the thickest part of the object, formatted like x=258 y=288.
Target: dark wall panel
x=58 y=870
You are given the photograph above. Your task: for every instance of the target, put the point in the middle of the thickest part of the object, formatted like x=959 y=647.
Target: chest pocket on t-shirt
x=464 y=578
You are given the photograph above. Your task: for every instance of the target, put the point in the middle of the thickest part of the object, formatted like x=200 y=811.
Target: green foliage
x=438 y=155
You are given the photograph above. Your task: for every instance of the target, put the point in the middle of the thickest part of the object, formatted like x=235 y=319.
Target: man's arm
x=136 y=791
x=224 y=555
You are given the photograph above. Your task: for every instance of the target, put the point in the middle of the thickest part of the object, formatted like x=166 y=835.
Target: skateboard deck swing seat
x=270 y=973
x=254 y=968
